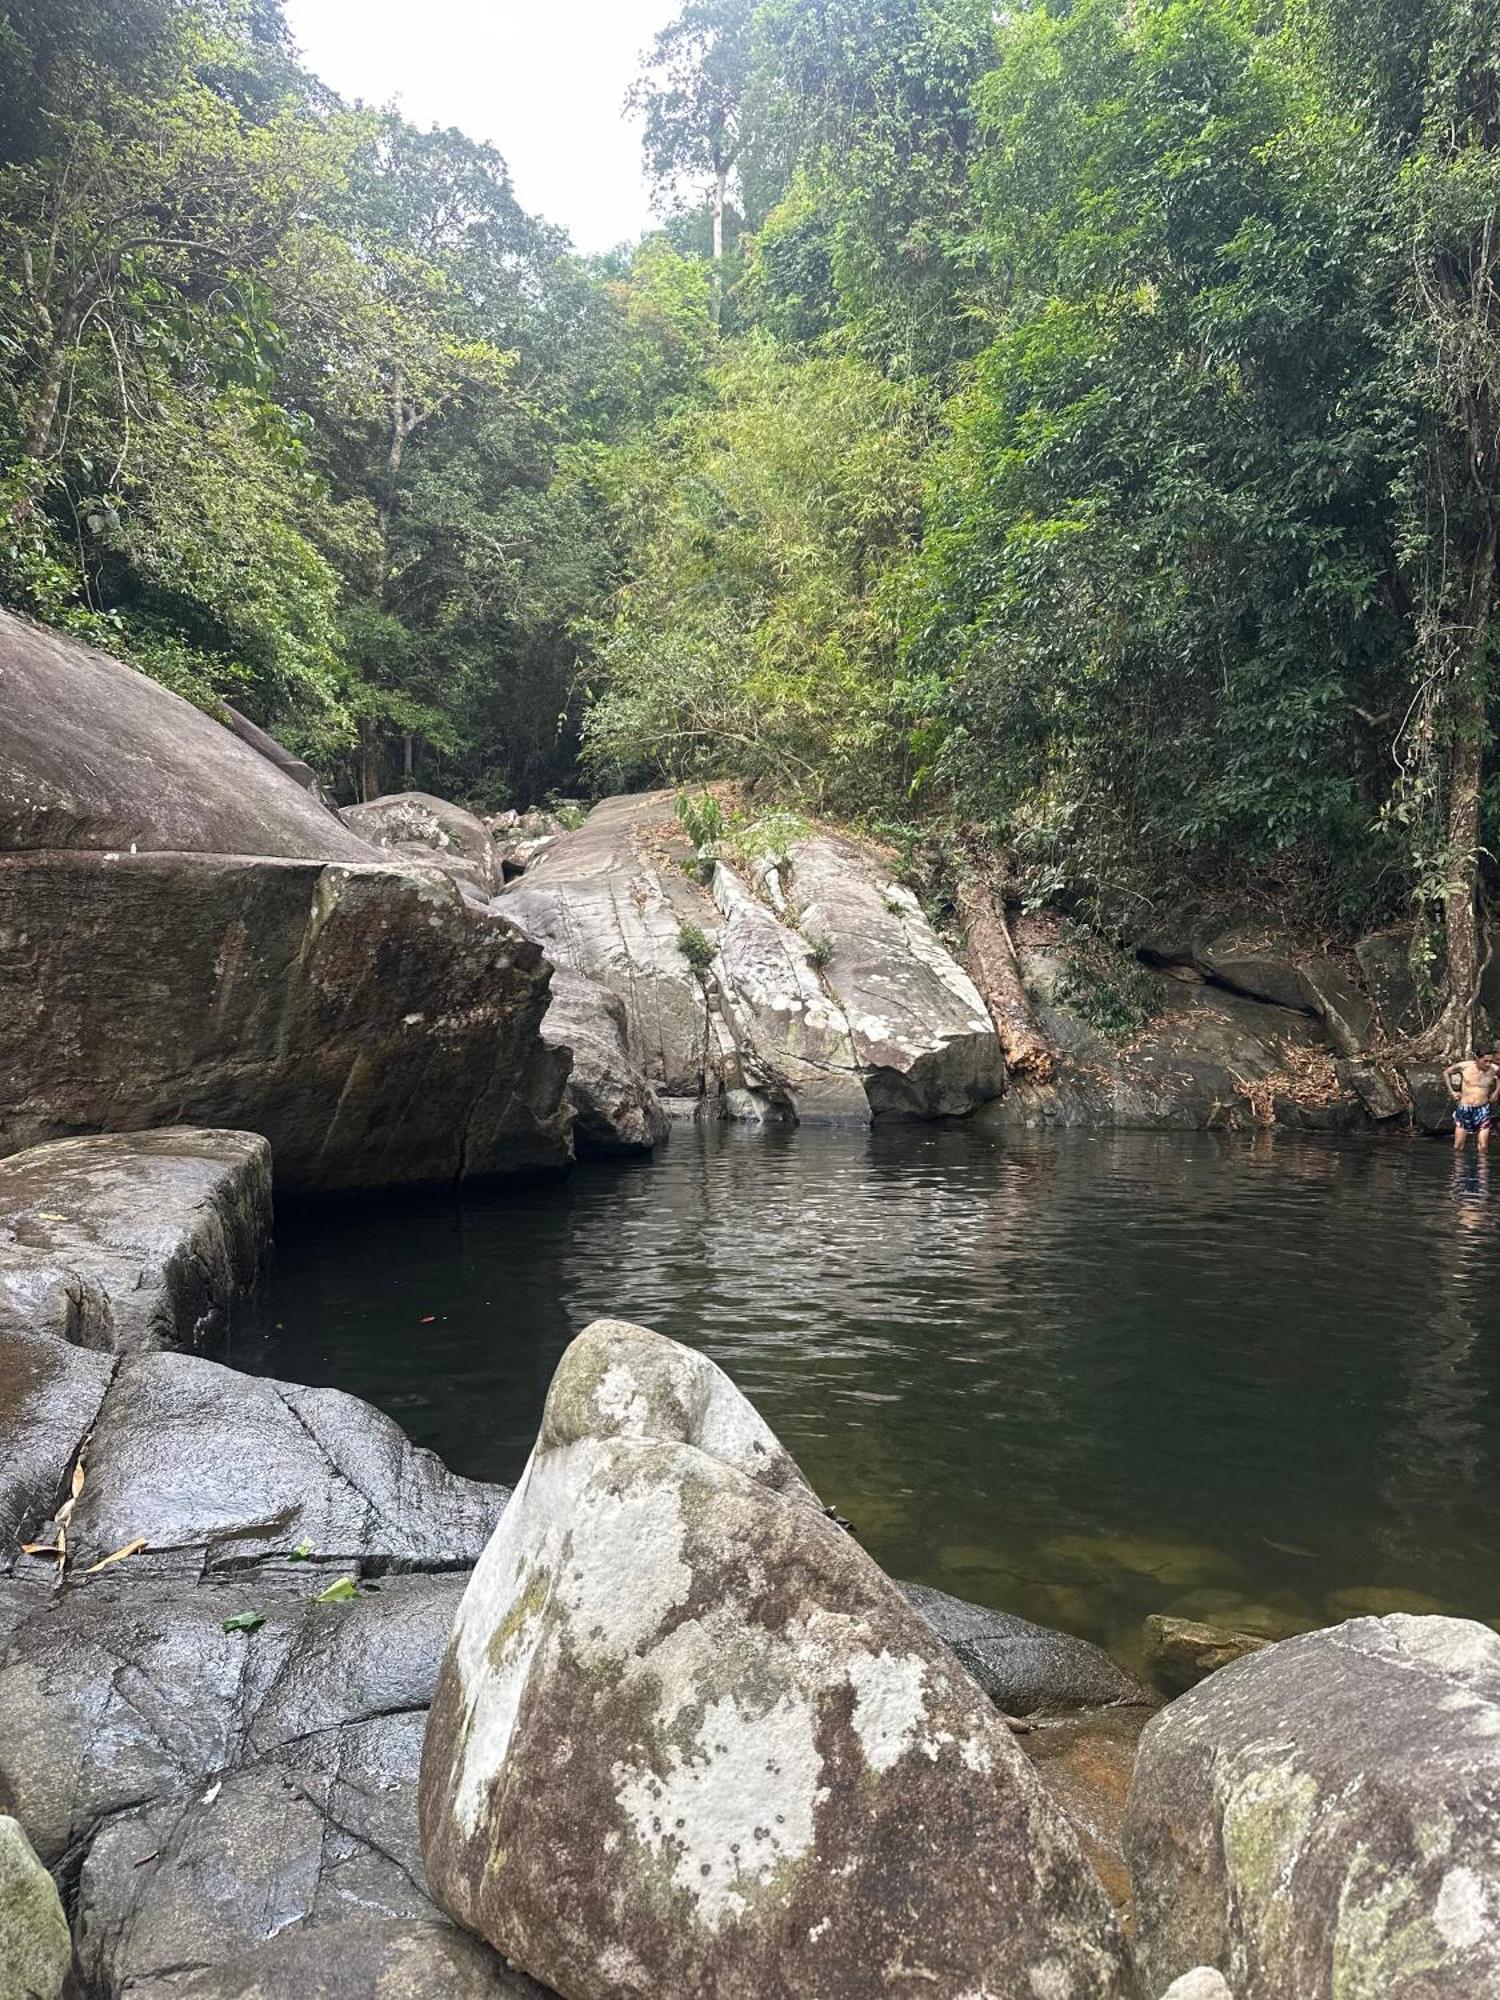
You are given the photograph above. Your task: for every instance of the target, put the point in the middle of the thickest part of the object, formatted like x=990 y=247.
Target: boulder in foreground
x=35 y=1949
x=134 y=1240
x=689 y=1740
x=1319 y=1819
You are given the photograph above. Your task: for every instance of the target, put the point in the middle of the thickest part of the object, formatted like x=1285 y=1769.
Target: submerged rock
x=1319 y=1819
x=35 y=1948
x=1181 y=1652
x=134 y=1240
x=1025 y=1669
x=424 y=828
x=689 y=1741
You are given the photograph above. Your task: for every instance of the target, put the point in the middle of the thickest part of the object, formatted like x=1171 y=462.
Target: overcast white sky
x=543 y=80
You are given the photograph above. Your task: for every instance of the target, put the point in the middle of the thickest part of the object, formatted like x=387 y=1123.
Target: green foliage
x=758 y=634
x=697 y=947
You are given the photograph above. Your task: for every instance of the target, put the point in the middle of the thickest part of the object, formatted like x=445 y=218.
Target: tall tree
x=693 y=96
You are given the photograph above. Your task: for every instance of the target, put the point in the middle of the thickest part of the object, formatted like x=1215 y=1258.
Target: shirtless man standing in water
x=1473 y=1086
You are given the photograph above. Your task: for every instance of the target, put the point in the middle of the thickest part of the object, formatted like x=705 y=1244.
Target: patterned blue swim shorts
x=1472 y=1117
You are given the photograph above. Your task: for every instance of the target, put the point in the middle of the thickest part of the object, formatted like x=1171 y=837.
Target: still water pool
x=1081 y=1377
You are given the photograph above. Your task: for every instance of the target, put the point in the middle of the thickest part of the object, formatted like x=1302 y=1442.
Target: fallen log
x=991 y=962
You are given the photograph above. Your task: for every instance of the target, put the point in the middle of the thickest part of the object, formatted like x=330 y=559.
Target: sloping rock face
x=1193 y=1066
x=375 y=1030
x=137 y=1240
x=689 y=1741
x=424 y=828
x=615 y=1110
x=96 y=756
x=1319 y=1819
x=163 y=964
x=832 y=999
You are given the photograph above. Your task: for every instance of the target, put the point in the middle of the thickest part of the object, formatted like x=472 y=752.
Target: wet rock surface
x=215 y=1469
x=1318 y=1819
x=362 y=1018
x=827 y=996
x=1085 y=1761
x=1025 y=1669
x=775 y=1779
x=424 y=828
x=134 y=1240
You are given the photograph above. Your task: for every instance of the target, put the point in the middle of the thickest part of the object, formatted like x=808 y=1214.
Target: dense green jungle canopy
x=1074 y=422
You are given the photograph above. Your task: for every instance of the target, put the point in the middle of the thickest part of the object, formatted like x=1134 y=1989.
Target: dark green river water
x=1081 y=1377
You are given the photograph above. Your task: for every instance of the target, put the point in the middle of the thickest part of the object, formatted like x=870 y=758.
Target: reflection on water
x=1082 y=1377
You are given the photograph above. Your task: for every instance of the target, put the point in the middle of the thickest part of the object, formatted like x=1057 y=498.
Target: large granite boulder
x=689 y=1741
x=96 y=756
x=1025 y=1669
x=35 y=1948
x=137 y=1239
x=188 y=936
x=1319 y=1819
x=361 y=1017
x=829 y=997
x=1207 y=1058
x=615 y=1110
x=424 y=828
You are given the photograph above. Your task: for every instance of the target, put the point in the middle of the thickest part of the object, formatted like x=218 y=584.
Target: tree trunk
x=369 y=761
x=38 y=433
x=1456 y=1025
x=995 y=970
x=721 y=189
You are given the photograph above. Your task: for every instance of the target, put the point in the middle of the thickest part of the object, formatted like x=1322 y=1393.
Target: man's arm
x=1454 y=1078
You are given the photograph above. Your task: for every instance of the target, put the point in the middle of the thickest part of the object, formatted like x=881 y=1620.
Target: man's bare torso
x=1476 y=1082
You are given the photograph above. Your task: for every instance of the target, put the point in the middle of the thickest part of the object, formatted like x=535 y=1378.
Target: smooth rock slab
x=134 y=1240
x=35 y=1949
x=689 y=1741
x=1025 y=1669
x=922 y=1035
x=1320 y=1819
x=95 y=755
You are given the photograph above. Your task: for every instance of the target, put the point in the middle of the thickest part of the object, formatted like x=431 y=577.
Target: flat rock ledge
x=129 y=1241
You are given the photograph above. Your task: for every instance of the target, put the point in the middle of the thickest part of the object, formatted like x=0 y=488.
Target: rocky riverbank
x=684 y=1736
